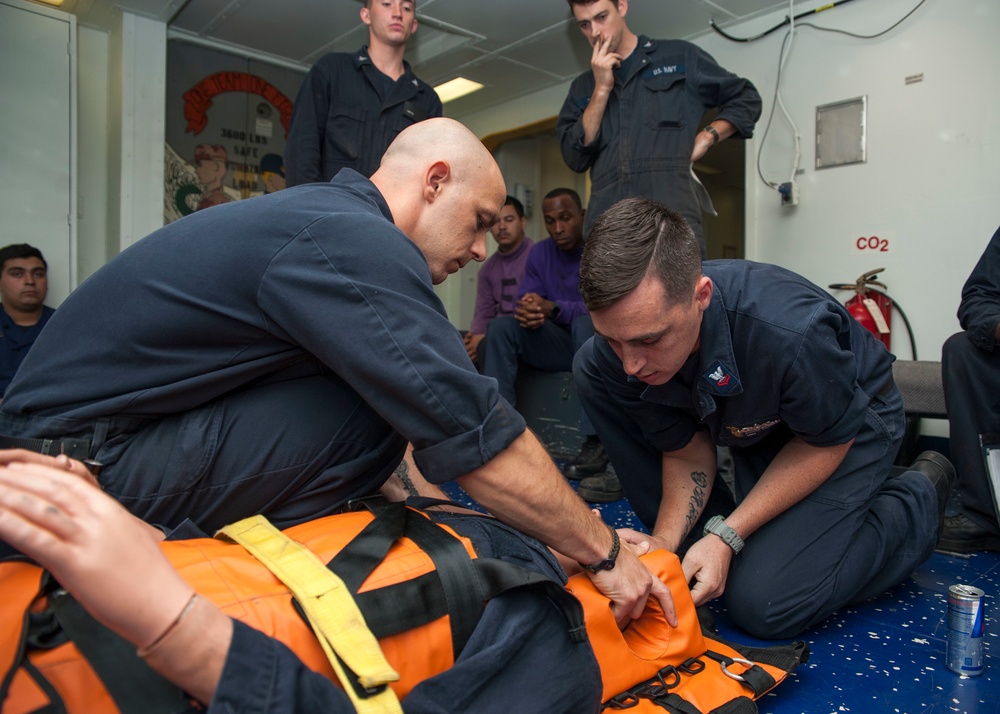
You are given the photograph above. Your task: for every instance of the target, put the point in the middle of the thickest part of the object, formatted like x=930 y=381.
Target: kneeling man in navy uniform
x=734 y=353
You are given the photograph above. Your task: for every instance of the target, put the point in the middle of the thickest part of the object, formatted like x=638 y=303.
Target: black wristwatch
x=554 y=312
x=609 y=562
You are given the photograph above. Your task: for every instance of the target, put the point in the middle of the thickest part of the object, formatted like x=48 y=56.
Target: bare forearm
x=407 y=481
x=688 y=477
x=706 y=138
x=593 y=115
x=193 y=654
x=796 y=471
x=522 y=487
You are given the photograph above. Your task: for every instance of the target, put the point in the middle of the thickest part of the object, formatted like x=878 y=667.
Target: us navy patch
x=667 y=69
x=721 y=378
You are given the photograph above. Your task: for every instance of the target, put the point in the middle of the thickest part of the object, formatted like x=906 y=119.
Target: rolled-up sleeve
x=569 y=127
x=737 y=98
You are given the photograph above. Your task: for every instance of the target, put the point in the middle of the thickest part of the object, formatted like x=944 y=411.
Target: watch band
x=711 y=130
x=717 y=525
x=609 y=562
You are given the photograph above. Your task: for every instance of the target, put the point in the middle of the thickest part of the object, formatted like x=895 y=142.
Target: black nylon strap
x=499 y=576
x=20 y=661
x=356 y=561
x=56 y=704
x=464 y=591
x=759 y=680
x=784 y=657
x=676 y=704
x=402 y=606
x=134 y=686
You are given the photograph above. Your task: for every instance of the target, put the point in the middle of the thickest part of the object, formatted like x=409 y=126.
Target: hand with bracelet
x=111 y=562
x=616 y=574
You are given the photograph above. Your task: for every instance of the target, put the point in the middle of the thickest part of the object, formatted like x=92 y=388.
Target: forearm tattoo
x=403 y=472
x=697 y=499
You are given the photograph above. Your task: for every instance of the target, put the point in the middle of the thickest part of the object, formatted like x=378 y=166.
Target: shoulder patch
x=721 y=378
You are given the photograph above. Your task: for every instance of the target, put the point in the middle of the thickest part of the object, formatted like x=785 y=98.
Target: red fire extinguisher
x=872 y=308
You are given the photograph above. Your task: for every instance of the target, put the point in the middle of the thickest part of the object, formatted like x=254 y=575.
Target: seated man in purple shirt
x=500 y=277
x=549 y=324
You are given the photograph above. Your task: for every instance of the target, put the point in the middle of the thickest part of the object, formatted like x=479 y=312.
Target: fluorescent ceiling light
x=57 y=3
x=458 y=87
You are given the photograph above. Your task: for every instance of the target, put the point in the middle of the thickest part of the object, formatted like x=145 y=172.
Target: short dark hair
x=20 y=250
x=584 y=2
x=632 y=239
x=557 y=192
x=518 y=206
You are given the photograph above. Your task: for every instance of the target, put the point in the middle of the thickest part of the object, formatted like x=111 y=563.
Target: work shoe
x=601 y=488
x=591 y=461
x=962 y=535
x=941 y=474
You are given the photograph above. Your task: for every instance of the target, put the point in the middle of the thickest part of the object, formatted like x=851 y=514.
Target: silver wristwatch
x=718 y=526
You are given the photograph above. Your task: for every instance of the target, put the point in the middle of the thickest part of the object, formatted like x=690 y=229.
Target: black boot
x=963 y=535
x=601 y=488
x=591 y=460
x=941 y=474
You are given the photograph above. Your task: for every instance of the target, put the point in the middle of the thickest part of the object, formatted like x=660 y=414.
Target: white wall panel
x=37 y=137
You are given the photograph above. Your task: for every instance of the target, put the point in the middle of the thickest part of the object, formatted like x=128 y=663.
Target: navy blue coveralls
x=649 y=126
x=778 y=358
x=970 y=368
x=347 y=113
x=268 y=356
x=15 y=341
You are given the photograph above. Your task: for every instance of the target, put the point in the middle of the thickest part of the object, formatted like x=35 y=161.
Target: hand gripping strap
x=332 y=612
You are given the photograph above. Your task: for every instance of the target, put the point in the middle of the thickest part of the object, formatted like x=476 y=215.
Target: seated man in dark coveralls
x=293 y=384
x=970 y=368
x=757 y=358
x=550 y=323
x=24 y=283
x=520 y=657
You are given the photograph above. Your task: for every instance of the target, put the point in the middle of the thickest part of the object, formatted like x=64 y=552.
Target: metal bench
x=920 y=383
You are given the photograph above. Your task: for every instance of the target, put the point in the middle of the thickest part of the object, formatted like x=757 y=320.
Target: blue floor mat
x=887 y=655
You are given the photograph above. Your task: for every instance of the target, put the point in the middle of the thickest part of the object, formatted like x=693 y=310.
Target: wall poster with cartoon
x=227 y=122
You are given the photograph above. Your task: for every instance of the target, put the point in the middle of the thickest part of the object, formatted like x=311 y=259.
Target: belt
x=74 y=448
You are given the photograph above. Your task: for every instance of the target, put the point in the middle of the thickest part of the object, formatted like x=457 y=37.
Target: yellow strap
x=330 y=608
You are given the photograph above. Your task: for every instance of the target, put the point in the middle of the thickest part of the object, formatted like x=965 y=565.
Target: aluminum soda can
x=966 y=624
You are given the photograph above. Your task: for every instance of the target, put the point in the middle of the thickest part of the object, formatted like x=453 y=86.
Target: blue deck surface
x=887 y=655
